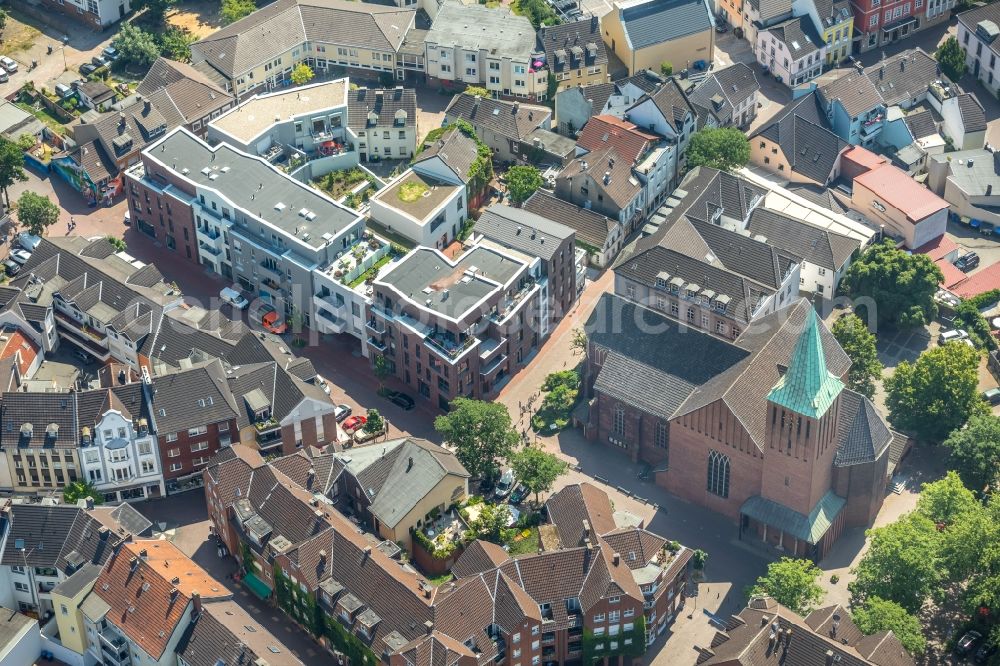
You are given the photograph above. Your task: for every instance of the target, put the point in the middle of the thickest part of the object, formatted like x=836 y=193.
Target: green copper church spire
x=807 y=388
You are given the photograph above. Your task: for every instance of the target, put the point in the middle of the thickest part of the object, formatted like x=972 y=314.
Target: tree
x=522 y=182
x=234 y=10
x=723 y=148
x=666 y=69
x=3 y=19
x=902 y=285
x=481 y=433
x=302 y=74
x=947 y=500
x=791 y=583
x=578 y=341
x=537 y=469
x=382 y=370
x=11 y=166
x=79 y=490
x=374 y=423
x=878 y=614
x=975 y=451
x=117 y=243
x=538 y=12
x=970 y=319
x=156 y=10
x=175 y=43
x=491 y=523
x=959 y=518
x=136 y=46
x=859 y=344
x=901 y=563
x=477 y=91
x=951 y=57
x=936 y=394
x=36 y=213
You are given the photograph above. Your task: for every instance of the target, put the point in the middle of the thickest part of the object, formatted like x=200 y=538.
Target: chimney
x=516 y=106
x=173 y=593
x=829 y=658
x=90 y=503
x=121 y=118
x=902 y=64
x=607 y=177
x=367 y=553
x=143 y=553
x=881 y=72
x=595 y=23
x=989 y=189
x=409 y=463
x=788 y=637
x=196 y=601
x=616 y=559
x=322 y=556
x=133 y=563
x=102 y=533
x=146 y=106
x=428 y=627
x=586 y=527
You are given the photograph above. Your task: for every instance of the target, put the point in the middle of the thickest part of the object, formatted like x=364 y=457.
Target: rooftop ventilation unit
x=279 y=206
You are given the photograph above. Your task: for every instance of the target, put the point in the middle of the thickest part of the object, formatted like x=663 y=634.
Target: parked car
x=513 y=515
x=953 y=335
x=400 y=400
x=110 y=52
x=20 y=256
x=4 y=78
x=986 y=229
x=271 y=320
x=983 y=654
x=721 y=27
x=234 y=298
x=8 y=63
x=99 y=60
x=341 y=412
x=969 y=641
x=82 y=355
x=354 y=423
x=967 y=262
x=992 y=396
x=28 y=241
x=11 y=267
x=521 y=492
x=505 y=485
x=87 y=68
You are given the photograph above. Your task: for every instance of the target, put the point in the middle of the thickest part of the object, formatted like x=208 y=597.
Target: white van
x=28 y=241
x=953 y=335
x=63 y=90
x=234 y=298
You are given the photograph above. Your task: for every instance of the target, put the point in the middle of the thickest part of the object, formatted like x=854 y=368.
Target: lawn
x=524 y=543
x=50 y=121
x=373 y=271
x=410 y=192
x=19 y=34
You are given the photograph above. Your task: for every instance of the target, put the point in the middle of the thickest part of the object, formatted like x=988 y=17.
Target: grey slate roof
x=802 y=131
x=579 y=44
x=672 y=102
x=457 y=151
x=224 y=634
x=191 y=398
x=81 y=580
x=56 y=536
x=973 y=115
x=507 y=119
x=522 y=230
x=364 y=100
x=659 y=21
x=855 y=92
x=182 y=93
x=817 y=246
x=734 y=84
x=862 y=432
x=818 y=195
x=904 y=76
x=648 y=362
x=591 y=227
x=277 y=28
x=798 y=35
x=921 y=124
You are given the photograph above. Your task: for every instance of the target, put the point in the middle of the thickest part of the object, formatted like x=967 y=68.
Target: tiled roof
x=456 y=150
x=802 y=131
x=903 y=77
x=82 y=579
x=511 y=120
x=817 y=246
x=385 y=104
x=952 y=274
x=658 y=21
x=798 y=35
x=571 y=506
x=597 y=93
x=181 y=87
x=622 y=187
x=855 y=92
x=862 y=432
x=921 y=124
x=224 y=634
x=573 y=45
x=478 y=557
x=724 y=89
x=54 y=536
x=591 y=227
x=191 y=398
x=671 y=101
x=522 y=230
x=608 y=131
x=895 y=187
x=973 y=115
x=986 y=279
x=278 y=28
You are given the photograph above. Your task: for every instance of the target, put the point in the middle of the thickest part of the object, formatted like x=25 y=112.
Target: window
x=613 y=617
x=873 y=21
x=200 y=430
x=619 y=423
x=21 y=587
x=173 y=453
x=662 y=435
x=145 y=448
x=599 y=617
x=534 y=630
x=171 y=436
x=176 y=467
x=629 y=612
x=199 y=446
x=630 y=290
x=822 y=271
x=718 y=474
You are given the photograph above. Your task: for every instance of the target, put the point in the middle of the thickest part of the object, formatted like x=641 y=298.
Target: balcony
x=327 y=321
x=270 y=272
x=490 y=369
x=206 y=249
x=376 y=343
x=375 y=326
x=449 y=349
x=505 y=307
x=489 y=348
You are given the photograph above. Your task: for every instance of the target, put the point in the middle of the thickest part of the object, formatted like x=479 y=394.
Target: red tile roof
x=864 y=158
x=938 y=248
x=985 y=280
x=604 y=131
x=952 y=275
x=895 y=186
x=17 y=343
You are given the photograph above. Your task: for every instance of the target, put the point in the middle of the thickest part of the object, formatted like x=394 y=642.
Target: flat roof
x=255 y=187
x=416 y=195
x=499 y=32
x=251 y=118
x=430 y=280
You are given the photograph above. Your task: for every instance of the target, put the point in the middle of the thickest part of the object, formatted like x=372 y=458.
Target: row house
x=978 y=30
x=576 y=105
x=96 y=15
x=669 y=113
x=878 y=22
x=792 y=51
x=575 y=52
x=726 y=97
x=600 y=237
x=622 y=584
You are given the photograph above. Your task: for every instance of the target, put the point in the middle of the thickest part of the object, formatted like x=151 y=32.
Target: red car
x=354 y=423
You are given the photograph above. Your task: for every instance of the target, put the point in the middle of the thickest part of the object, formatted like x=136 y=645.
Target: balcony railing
x=449 y=349
x=209 y=233
x=376 y=343
x=375 y=326
x=508 y=305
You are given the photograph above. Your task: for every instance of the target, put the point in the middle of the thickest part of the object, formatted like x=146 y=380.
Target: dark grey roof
x=646 y=80
x=56 y=536
x=973 y=115
x=591 y=227
x=598 y=94
x=82 y=580
x=803 y=132
x=904 y=76
x=672 y=102
x=224 y=634
x=659 y=21
x=180 y=87
x=28 y=420
x=281 y=391
x=648 y=361
x=191 y=398
x=921 y=124
x=522 y=230
x=573 y=45
x=724 y=89
x=131 y=520
x=862 y=432
x=457 y=151
x=798 y=35
x=817 y=246
x=855 y=92
x=385 y=103
x=817 y=194
x=511 y=120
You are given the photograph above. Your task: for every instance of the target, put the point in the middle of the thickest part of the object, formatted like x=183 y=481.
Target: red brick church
x=760 y=428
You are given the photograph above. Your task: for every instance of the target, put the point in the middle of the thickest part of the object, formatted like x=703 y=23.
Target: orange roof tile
x=604 y=131
x=985 y=280
x=895 y=186
x=20 y=344
x=169 y=562
x=938 y=248
x=952 y=276
x=864 y=157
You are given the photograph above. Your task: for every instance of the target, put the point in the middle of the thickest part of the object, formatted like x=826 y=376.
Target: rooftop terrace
x=251 y=118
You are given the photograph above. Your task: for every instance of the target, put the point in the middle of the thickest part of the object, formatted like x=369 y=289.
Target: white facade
x=774 y=54
x=121 y=461
x=437 y=228
x=23 y=647
x=646 y=115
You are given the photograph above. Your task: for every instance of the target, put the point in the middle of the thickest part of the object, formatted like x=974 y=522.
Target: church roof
x=807 y=388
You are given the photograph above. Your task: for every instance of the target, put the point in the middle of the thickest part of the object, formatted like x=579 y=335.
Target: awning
x=809 y=528
x=889 y=27
x=257 y=586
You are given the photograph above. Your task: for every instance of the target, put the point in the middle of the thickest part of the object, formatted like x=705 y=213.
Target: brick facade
x=183 y=456
x=163 y=217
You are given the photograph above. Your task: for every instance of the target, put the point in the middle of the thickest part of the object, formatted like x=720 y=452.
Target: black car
x=11 y=267
x=969 y=641
x=519 y=494
x=400 y=400
x=967 y=262
x=88 y=68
